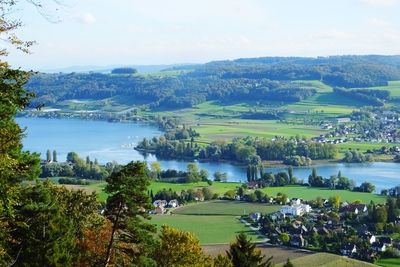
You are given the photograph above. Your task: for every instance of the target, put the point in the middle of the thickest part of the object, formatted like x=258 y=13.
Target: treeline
x=265 y=79
x=367 y=96
x=243 y=150
x=78 y=167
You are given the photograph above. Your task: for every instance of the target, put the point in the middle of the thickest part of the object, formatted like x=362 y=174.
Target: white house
x=160 y=203
x=173 y=203
x=296 y=201
x=378 y=247
x=255 y=216
x=296 y=210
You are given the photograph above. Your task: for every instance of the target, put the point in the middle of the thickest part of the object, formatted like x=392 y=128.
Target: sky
x=145 y=32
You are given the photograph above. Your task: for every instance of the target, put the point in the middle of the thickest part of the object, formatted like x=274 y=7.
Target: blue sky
x=129 y=32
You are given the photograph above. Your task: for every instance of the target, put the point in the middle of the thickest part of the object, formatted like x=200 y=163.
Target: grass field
x=391 y=262
x=327 y=260
x=225 y=207
x=308 y=193
x=208 y=229
x=220 y=188
x=393 y=88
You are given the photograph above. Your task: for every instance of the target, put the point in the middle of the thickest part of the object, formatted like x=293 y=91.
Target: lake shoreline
x=115 y=141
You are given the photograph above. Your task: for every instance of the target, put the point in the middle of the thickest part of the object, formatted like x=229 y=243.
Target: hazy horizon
x=130 y=32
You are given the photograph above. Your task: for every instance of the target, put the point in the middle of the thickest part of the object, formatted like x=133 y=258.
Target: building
x=369 y=237
x=296 y=201
x=378 y=247
x=348 y=250
x=160 y=203
x=296 y=210
x=173 y=203
x=255 y=216
x=297 y=241
x=159 y=210
x=343 y=120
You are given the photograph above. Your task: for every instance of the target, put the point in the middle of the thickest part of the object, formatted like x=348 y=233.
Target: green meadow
x=220 y=188
x=225 y=207
x=208 y=229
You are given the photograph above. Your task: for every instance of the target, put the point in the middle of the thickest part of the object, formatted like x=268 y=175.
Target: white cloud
x=333 y=34
x=378 y=22
x=87 y=18
x=380 y=2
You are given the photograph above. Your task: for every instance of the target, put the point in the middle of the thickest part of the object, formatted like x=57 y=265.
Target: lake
x=108 y=141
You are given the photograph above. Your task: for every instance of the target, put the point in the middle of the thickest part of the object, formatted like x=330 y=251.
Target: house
x=252 y=185
x=378 y=247
x=160 y=203
x=296 y=201
x=355 y=208
x=255 y=216
x=296 y=210
x=277 y=216
x=343 y=120
x=386 y=240
x=173 y=203
x=159 y=210
x=348 y=250
x=369 y=237
x=297 y=241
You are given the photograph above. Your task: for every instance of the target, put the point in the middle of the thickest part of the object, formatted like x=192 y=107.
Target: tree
x=54 y=156
x=126 y=208
x=290 y=173
x=48 y=155
x=15 y=165
x=288 y=263
x=335 y=201
x=179 y=248
x=193 y=173
x=285 y=238
x=156 y=169
x=203 y=174
x=222 y=261
x=243 y=253
x=49 y=223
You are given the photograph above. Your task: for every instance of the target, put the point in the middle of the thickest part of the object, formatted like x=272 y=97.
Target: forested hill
x=252 y=79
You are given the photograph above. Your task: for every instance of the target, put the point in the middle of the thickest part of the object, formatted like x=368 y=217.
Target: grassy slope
x=209 y=229
x=327 y=260
x=312 y=193
x=392 y=262
x=292 y=191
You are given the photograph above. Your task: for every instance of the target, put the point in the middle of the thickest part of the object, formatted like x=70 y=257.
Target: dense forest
x=258 y=79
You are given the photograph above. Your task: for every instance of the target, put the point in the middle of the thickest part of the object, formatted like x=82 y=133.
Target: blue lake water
x=115 y=141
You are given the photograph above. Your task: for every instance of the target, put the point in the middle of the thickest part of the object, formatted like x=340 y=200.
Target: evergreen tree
x=288 y=263
x=54 y=156
x=15 y=165
x=48 y=155
x=290 y=173
x=127 y=207
x=243 y=253
x=87 y=160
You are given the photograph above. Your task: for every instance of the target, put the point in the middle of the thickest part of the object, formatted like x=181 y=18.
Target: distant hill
x=109 y=68
x=252 y=79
